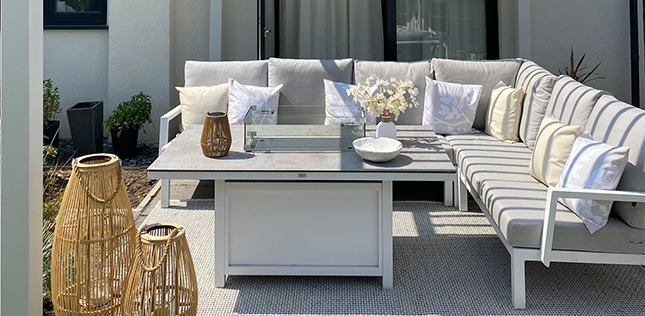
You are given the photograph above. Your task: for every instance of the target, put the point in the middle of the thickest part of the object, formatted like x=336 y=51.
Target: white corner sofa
x=525 y=213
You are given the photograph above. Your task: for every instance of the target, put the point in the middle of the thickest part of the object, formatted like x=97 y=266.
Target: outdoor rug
x=445 y=263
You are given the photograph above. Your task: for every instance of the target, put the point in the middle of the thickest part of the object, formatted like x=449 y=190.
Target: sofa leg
x=462 y=192
x=165 y=192
x=518 y=283
x=448 y=193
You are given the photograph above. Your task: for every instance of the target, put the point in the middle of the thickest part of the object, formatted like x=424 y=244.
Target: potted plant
x=86 y=125
x=51 y=109
x=126 y=121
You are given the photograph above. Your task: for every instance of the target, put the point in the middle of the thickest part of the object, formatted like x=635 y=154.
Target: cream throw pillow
x=197 y=101
x=552 y=147
x=504 y=112
x=592 y=165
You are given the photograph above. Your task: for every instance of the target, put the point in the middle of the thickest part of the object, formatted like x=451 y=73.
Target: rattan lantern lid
x=148 y=238
x=97 y=162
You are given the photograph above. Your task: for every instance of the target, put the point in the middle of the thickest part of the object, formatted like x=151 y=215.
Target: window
x=394 y=30
x=455 y=29
x=71 y=14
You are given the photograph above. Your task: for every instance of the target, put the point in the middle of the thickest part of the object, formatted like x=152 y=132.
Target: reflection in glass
x=77 y=6
x=453 y=29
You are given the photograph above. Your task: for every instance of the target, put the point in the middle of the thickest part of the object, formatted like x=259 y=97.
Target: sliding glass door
x=403 y=30
x=453 y=29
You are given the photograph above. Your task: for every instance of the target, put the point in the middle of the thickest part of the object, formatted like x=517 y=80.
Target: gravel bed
x=145 y=154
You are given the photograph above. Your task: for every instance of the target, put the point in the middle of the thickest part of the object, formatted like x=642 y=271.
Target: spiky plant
x=577 y=71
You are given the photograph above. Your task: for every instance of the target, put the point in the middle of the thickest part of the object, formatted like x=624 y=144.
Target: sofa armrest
x=553 y=194
x=164 y=126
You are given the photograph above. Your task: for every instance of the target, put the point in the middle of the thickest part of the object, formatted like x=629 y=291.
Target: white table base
x=303 y=228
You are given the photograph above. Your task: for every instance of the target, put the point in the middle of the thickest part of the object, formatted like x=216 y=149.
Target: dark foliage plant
x=132 y=114
x=576 y=71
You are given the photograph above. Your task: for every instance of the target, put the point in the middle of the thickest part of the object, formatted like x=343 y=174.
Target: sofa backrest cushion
x=210 y=73
x=572 y=102
x=487 y=73
x=537 y=83
x=620 y=124
x=415 y=71
x=303 y=78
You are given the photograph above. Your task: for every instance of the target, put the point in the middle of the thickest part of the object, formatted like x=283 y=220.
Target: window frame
x=74 y=20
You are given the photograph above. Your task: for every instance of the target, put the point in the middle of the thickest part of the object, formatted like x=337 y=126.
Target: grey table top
x=422 y=154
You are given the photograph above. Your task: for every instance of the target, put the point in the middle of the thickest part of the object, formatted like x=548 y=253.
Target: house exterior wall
x=507 y=28
x=190 y=39
x=139 y=56
x=77 y=62
x=148 y=42
x=599 y=28
x=239 y=30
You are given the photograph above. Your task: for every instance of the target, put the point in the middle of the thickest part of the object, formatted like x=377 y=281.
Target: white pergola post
x=21 y=158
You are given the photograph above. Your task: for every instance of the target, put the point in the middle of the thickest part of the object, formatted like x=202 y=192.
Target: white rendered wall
x=239 y=30
x=77 y=62
x=599 y=28
x=139 y=56
x=191 y=33
x=507 y=28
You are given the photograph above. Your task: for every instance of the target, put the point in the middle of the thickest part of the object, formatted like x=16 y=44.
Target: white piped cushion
x=340 y=108
x=592 y=165
x=450 y=108
x=242 y=97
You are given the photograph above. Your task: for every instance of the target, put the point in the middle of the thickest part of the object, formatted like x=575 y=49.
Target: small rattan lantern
x=216 y=135
x=162 y=281
x=93 y=245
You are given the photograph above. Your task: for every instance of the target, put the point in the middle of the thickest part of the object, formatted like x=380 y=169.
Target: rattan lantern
x=162 y=281
x=93 y=245
x=216 y=135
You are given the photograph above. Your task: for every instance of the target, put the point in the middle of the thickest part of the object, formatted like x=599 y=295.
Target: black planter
x=51 y=129
x=124 y=142
x=85 y=123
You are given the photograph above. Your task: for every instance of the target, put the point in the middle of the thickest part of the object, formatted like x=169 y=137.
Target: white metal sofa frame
x=546 y=254
x=518 y=255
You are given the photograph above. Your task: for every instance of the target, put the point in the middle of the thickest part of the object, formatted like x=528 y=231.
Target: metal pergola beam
x=21 y=158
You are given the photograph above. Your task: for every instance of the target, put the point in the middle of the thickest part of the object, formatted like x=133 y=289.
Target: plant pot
x=124 y=142
x=85 y=123
x=51 y=129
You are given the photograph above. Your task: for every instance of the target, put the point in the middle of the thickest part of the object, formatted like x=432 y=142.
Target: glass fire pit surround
x=300 y=128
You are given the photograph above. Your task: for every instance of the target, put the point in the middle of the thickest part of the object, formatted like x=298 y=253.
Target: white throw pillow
x=242 y=97
x=197 y=101
x=450 y=108
x=592 y=165
x=504 y=111
x=341 y=108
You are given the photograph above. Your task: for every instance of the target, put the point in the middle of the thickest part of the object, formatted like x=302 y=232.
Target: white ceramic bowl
x=377 y=149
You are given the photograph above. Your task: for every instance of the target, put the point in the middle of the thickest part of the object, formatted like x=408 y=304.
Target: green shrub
x=51 y=101
x=131 y=114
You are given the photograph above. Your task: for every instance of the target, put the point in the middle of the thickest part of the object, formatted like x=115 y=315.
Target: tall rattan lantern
x=93 y=246
x=162 y=281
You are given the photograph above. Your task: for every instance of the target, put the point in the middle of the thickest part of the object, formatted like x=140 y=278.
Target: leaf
x=443 y=110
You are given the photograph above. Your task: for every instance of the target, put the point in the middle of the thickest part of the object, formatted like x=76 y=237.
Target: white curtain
x=330 y=29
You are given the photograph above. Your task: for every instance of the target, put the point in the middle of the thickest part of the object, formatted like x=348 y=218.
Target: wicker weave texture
x=216 y=135
x=162 y=280
x=93 y=242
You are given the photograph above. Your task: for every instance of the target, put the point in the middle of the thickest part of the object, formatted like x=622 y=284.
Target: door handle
x=266 y=32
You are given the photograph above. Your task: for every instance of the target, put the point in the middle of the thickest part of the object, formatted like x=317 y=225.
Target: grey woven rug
x=445 y=263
